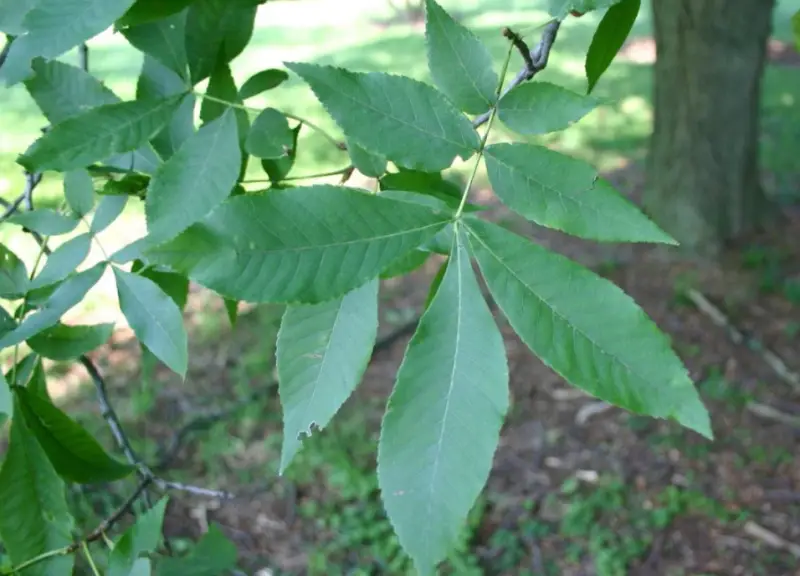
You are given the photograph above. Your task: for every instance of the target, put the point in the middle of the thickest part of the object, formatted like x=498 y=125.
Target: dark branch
x=537 y=62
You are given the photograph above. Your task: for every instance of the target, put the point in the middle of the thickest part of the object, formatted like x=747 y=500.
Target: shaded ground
x=573 y=491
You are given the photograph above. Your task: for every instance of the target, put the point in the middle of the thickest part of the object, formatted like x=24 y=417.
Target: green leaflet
x=609 y=37
x=214 y=29
x=155 y=319
x=301 y=245
x=405 y=264
x=585 y=328
x=79 y=192
x=174 y=285
x=67 y=295
x=75 y=455
x=796 y=28
x=45 y=221
x=460 y=64
x=55 y=26
x=62 y=342
x=12 y=13
x=212 y=556
x=443 y=420
x=542 y=107
x=157 y=81
x=63 y=261
x=261 y=82
x=564 y=193
x=322 y=353
x=61 y=91
x=366 y=162
x=270 y=136
x=13 y=275
x=142 y=537
x=34 y=517
x=108 y=210
x=407 y=121
x=99 y=133
x=163 y=40
x=195 y=180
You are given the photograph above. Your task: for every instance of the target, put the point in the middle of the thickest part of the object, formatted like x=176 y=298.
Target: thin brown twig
x=537 y=61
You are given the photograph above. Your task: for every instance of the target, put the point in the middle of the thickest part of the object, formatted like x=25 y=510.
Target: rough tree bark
x=704 y=182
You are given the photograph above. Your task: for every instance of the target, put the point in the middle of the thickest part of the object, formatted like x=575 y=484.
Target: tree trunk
x=704 y=182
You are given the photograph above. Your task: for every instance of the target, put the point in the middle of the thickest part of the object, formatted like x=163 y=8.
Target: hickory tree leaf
x=366 y=162
x=560 y=192
x=322 y=353
x=63 y=261
x=143 y=537
x=232 y=310
x=34 y=517
x=13 y=275
x=157 y=81
x=305 y=244
x=542 y=107
x=584 y=327
x=428 y=183
x=460 y=64
x=561 y=8
x=54 y=27
x=261 y=82
x=213 y=555
x=68 y=294
x=214 y=29
x=195 y=180
x=221 y=85
x=407 y=121
x=443 y=420
x=99 y=133
x=37 y=383
x=75 y=455
x=108 y=210
x=21 y=373
x=144 y=11
x=609 y=37
x=79 y=191
x=45 y=221
x=62 y=342
x=796 y=28
x=270 y=135
x=61 y=91
x=155 y=319
x=162 y=40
